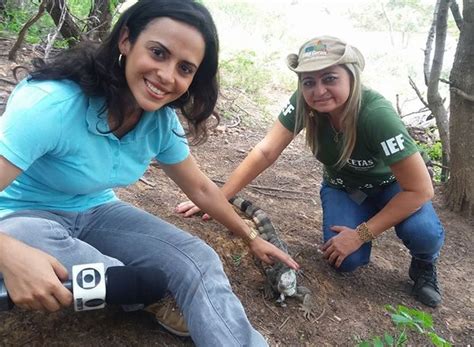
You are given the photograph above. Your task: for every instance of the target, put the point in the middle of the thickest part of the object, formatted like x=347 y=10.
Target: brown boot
x=169 y=316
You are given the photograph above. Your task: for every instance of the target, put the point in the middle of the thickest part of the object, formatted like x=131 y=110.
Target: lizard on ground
x=281 y=280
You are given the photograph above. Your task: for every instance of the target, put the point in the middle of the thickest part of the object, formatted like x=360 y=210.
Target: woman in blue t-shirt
x=374 y=176
x=91 y=120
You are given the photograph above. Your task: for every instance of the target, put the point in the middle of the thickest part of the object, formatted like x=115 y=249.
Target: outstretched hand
x=342 y=245
x=268 y=253
x=262 y=249
x=188 y=209
x=33 y=278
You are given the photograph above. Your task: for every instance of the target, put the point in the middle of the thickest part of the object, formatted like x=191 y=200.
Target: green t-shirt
x=382 y=140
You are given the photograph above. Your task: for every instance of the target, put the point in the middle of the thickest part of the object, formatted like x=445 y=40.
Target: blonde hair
x=349 y=116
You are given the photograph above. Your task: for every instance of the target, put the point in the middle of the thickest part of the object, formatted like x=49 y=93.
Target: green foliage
x=253 y=41
x=81 y=8
x=388 y=340
x=113 y=5
x=17 y=17
x=246 y=71
x=407 y=320
x=435 y=152
x=236 y=259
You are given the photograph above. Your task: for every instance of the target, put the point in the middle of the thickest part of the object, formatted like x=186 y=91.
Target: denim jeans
x=117 y=234
x=422 y=232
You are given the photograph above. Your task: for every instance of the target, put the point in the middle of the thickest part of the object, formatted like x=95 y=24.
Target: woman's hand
x=209 y=197
x=188 y=209
x=342 y=245
x=32 y=277
x=268 y=253
x=262 y=249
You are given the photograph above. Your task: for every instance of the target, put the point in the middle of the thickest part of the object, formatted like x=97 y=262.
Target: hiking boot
x=426 y=288
x=169 y=316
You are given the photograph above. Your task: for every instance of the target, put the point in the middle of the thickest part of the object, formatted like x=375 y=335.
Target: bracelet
x=250 y=236
x=364 y=233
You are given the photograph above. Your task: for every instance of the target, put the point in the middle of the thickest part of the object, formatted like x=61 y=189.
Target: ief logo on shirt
x=393 y=145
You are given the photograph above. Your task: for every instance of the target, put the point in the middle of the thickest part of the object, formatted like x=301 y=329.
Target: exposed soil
x=346 y=307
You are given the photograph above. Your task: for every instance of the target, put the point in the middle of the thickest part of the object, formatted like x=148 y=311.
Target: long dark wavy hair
x=95 y=66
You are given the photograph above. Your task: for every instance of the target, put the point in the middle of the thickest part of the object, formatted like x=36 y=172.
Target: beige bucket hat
x=324 y=51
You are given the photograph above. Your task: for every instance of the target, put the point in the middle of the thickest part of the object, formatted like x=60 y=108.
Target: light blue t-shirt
x=54 y=133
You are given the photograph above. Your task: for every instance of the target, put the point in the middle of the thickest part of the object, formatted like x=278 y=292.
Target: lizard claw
x=306 y=305
x=307 y=312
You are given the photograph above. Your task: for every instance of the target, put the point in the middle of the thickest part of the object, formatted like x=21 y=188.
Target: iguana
x=281 y=280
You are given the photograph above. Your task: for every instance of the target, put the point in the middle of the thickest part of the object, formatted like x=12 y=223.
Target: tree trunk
x=434 y=99
x=456 y=14
x=69 y=29
x=100 y=19
x=460 y=189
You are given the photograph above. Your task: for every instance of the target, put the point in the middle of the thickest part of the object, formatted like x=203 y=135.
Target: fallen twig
x=242 y=109
x=271 y=308
x=236 y=123
x=13 y=83
x=297 y=254
x=283 y=197
x=267 y=188
x=144 y=180
x=283 y=324
x=320 y=316
x=262 y=329
x=456 y=261
x=305 y=276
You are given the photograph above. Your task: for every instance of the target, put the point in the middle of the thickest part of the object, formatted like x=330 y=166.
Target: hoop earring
x=120 y=60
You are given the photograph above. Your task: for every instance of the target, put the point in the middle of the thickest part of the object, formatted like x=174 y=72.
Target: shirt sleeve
x=29 y=128
x=388 y=137
x=287 y=116
x=175 y=147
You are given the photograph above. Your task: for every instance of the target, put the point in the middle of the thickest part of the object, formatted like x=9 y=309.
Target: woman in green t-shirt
x=374 y=176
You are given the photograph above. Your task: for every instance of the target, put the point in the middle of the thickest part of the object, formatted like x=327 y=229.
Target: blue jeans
x=120 y=234
x=422 y=232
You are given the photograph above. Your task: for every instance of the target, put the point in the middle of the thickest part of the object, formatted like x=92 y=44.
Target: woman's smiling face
x=160 y=65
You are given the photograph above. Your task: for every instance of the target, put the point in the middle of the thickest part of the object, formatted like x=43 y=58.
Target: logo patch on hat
x=315 y=48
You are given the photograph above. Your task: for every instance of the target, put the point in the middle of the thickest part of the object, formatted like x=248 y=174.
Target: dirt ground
x=346 y=307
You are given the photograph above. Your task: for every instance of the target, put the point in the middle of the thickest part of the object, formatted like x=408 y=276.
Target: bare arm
x=31 y=276
x=262 y=156
x=258 y=160
x=205 y=194
x=8 y=172
x=417 y=189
